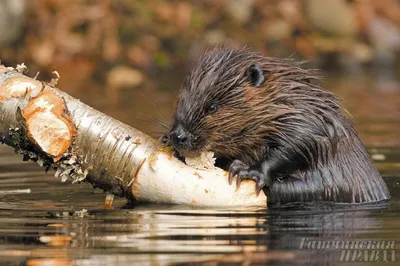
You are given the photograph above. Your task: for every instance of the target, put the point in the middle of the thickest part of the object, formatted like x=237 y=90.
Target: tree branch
x=83 y=144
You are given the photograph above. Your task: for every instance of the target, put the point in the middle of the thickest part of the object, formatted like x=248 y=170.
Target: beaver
x=267 y=121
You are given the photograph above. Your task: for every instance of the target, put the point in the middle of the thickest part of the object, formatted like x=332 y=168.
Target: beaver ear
x=255 y=75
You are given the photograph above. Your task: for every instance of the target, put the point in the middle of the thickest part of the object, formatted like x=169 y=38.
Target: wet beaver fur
x=266 y=120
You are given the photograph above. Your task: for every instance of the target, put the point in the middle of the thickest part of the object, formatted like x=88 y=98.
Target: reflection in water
x=298 y=228
x=52 y=225
x=67 y=224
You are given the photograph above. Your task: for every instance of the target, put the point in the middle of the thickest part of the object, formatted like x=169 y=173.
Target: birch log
x=82 y=144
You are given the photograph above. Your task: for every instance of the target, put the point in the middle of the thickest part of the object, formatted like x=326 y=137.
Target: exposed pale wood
x=104 y=151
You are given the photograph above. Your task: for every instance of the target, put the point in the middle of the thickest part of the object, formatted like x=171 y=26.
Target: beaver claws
x=245 y=172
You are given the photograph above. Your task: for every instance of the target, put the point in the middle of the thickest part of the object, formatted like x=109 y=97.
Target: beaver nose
x=181 y=137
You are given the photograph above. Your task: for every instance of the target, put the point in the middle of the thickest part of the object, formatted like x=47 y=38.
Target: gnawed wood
x=83 y=144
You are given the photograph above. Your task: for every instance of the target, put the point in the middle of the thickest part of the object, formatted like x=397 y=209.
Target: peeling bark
x=83 y=144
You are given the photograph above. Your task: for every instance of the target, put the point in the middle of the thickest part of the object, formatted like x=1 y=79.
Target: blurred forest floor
x=119 y=42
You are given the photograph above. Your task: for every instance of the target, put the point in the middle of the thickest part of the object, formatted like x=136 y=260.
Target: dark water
x=45 y=222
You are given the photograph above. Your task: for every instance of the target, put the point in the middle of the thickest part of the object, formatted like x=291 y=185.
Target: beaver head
x=234 y=102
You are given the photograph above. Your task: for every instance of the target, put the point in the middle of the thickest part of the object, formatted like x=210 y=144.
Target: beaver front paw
x=244 y=171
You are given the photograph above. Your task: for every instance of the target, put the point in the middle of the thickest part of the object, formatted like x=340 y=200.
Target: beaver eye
x=212 y=108
x=255 y=75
